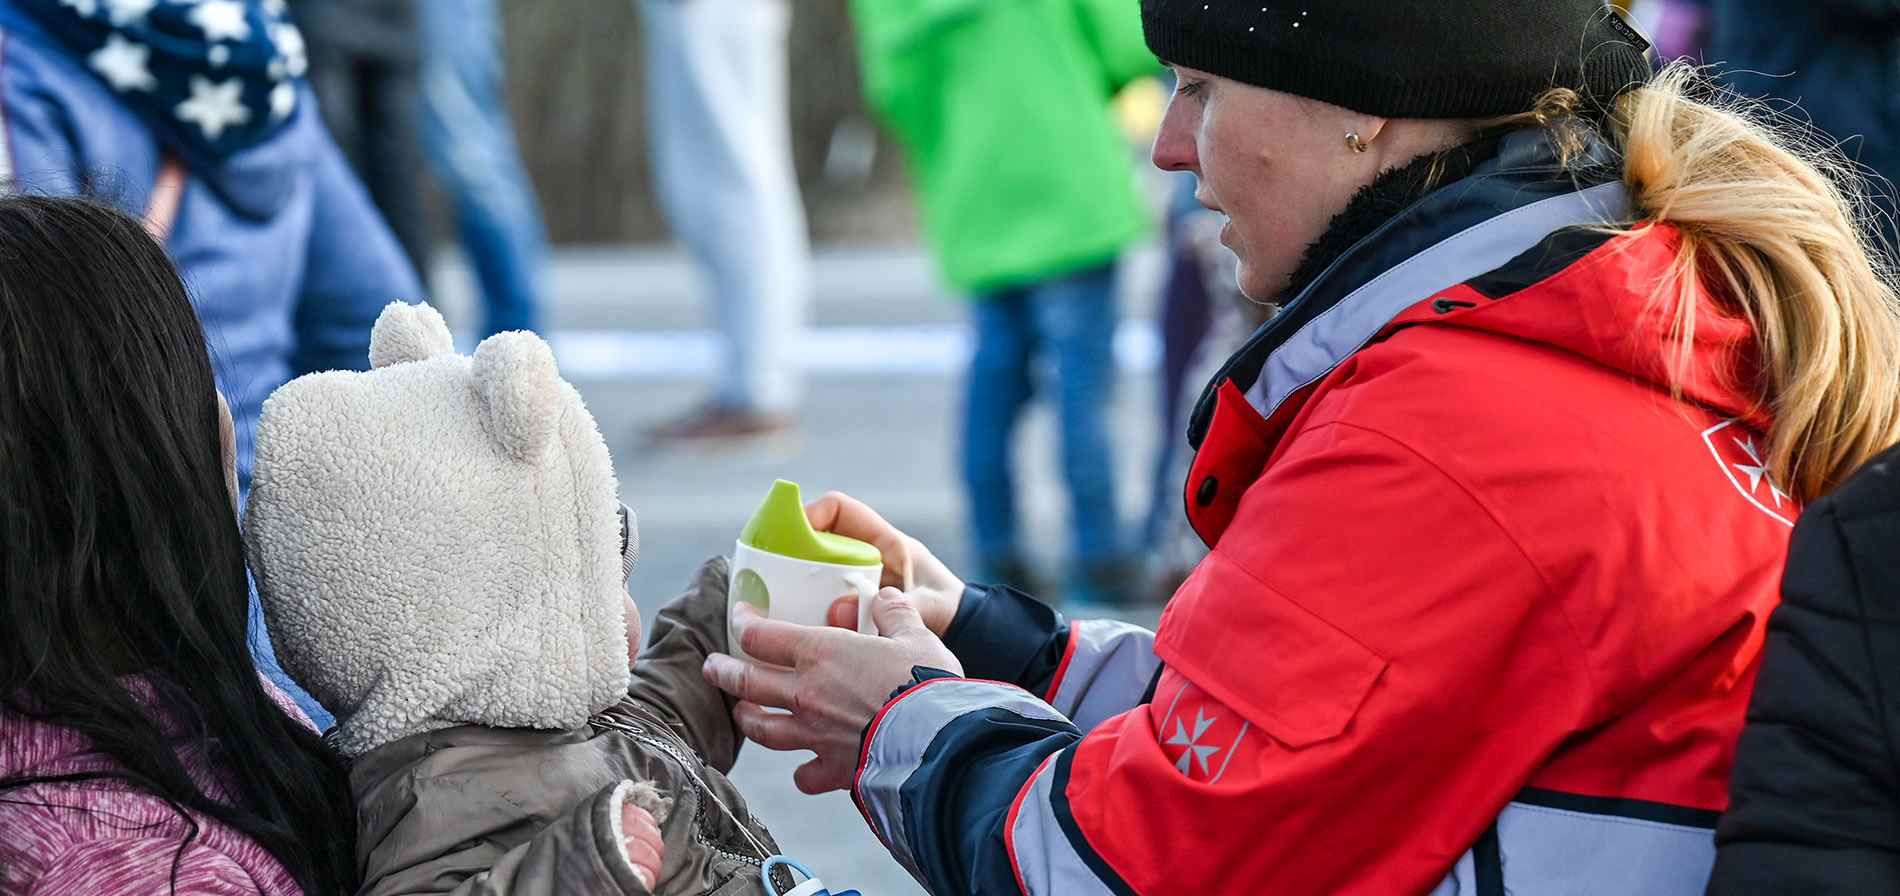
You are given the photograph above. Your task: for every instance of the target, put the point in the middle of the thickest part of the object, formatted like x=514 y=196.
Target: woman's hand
x=908 y=565
x=831 y=680
x=641 y=839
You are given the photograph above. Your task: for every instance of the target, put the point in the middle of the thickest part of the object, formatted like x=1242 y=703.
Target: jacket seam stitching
x=1550 y=592
x=1228 y=556
x=1279 y=719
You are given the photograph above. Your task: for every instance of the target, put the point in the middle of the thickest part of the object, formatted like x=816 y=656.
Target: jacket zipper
x=633 y=730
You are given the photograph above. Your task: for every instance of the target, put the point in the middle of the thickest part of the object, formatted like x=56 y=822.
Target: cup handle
x=867 y=591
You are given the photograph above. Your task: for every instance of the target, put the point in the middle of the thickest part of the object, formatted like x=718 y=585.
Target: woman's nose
x=1174 y=148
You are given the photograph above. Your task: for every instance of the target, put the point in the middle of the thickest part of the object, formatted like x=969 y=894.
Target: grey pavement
x=877 y=424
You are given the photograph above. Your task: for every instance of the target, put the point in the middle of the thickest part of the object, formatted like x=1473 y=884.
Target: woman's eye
x=1190 y=88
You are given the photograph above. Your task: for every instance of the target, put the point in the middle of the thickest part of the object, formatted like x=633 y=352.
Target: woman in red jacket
x=1497 y=504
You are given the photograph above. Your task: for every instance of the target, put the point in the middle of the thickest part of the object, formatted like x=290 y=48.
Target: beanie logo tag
x=1628 y=31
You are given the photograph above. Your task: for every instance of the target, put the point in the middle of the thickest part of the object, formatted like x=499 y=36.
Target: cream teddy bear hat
x=437 y=542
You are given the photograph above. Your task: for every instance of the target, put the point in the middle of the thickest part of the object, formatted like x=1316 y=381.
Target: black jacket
x=1816 y=792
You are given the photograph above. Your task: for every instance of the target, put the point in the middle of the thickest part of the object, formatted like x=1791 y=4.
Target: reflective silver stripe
x=1346 y=327
x=906 y=729
x=1559 y=852
x=1110 y=666
x=1040 y=851
x=1463 y=879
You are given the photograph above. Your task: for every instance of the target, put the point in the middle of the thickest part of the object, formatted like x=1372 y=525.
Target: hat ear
x=407 y=333
x=521 y=393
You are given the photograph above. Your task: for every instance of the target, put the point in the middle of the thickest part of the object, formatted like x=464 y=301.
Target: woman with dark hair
x=140 y=751
x=197 y=116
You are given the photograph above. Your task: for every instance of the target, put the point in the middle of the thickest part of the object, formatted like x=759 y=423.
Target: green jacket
x=1002 y=107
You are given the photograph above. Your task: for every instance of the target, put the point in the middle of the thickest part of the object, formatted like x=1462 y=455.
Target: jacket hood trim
x=1453 y=234
x=1586 y=292
x=1312 y=351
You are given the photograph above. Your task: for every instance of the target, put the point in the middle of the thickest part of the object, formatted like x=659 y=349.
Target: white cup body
x=799 y=591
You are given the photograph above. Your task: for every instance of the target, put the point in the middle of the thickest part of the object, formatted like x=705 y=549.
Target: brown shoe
x=714 y=424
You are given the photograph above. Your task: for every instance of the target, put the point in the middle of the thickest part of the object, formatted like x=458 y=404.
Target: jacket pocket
x=1286 y=670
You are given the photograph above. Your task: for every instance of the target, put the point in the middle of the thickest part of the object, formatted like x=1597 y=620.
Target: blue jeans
x=721 y=144
x=470 y=140
x=1070 y=322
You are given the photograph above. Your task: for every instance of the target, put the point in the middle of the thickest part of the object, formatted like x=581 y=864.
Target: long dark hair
x=120 y=553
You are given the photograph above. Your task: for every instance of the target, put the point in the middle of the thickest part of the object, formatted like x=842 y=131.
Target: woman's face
x=1277 y=165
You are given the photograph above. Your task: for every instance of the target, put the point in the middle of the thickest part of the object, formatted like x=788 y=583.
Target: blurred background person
x=1677 y=28
x=1186 y=319
x=1202 y=317
x=402 y=82
x=1834 y=63
x=195 y=117
x=1029 y=198
x=722 y=168
x=470 y=141
x=365 y=63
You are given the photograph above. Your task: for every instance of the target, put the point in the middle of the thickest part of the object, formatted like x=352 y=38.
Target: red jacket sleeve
x=1357 y=680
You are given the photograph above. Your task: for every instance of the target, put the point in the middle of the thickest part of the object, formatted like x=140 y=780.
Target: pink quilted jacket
x=101 y=838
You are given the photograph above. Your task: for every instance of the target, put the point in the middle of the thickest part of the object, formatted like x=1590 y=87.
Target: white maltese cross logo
x=1196 y=751
x=1208 y=744
x=1740 y=455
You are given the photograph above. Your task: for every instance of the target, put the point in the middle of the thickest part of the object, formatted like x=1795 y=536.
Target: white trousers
x=722 y=165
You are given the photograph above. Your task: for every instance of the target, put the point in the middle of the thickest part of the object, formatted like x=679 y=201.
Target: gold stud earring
x=1355 y=144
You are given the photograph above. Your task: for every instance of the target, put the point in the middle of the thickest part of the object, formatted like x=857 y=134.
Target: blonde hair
x=1778 y=229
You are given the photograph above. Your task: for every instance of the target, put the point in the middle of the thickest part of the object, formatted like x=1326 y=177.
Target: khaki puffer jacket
x=476 y=811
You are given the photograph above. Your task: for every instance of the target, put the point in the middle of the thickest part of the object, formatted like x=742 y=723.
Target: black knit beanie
x=1406 y=58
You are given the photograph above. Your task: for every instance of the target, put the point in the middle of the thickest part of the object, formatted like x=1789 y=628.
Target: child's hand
x=643 y=844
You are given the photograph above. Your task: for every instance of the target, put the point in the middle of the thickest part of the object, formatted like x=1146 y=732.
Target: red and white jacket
x=1482 y=614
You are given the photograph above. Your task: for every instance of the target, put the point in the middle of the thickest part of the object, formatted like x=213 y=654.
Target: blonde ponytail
x=1779 y=230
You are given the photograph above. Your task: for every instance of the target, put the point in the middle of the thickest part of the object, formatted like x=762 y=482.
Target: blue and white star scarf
x=211 y=77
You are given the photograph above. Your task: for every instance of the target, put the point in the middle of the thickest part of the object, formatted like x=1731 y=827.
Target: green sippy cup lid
x=780 y=527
